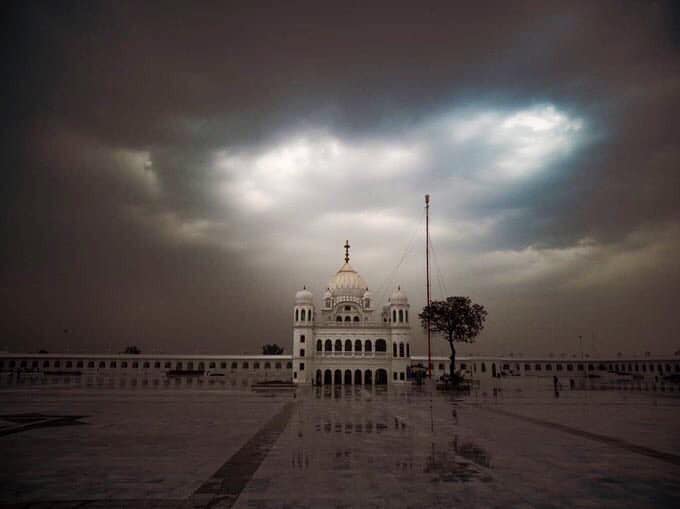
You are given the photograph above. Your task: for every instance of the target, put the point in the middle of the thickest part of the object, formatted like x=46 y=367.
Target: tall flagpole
x=427 y=265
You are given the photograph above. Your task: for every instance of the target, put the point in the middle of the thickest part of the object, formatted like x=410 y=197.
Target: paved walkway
x=510 y=444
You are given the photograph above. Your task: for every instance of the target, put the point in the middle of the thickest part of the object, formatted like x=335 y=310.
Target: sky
x=174 y=172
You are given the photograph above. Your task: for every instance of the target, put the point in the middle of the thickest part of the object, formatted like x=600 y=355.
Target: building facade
x=350 y=339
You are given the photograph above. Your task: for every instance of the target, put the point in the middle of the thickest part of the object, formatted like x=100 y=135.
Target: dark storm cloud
x=174 y=172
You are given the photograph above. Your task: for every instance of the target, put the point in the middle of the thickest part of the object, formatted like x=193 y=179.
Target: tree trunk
x=452 y=365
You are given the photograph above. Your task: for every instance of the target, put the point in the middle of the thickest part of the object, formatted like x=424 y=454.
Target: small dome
x=304 y=296
x=398 y=297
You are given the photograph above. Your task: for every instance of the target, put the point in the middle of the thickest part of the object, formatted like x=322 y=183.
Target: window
x=302 y=366
x=69 y=364
x=319 y=345
x=590 y=367
x=348 y=318
x=297 y=315
x=348 y=308
x=348 y=345
x=401 y=349
x=394 y=349
x=463 y=365
x=245 y=365
x=580 y=367
x=394 y=375
x=338 y=319
x=338 y=345
x=135 y=364
x=406 y=314
x=157 y=364
x=234 y=365
x=394 y=315
x=570 y=367
x=46 y=364
x=302 y=338
x=441 y=366
x=295 y=374
x=167 y=365
x=256 y=365
x=401 y=316
x=357 y=345
x=401 y=376
x=483 y=367
x=277 y=365
x=122 y=364
x=57 y=364
x=356 y=318
x=368 y=346
x=538 y=367
x=267 y=365
x=302 y=352
x=102 y=364
x=527 y=367
x=201 y=366
x=212 y=365
x=328 y=345
x=289 y=365
x=302 y=315
x=408 y=350
x=146 y=364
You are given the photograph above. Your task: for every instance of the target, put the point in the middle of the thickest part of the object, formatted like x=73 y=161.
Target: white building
x=349 y=340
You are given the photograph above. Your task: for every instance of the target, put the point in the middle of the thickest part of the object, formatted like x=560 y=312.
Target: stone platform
x=510 y=443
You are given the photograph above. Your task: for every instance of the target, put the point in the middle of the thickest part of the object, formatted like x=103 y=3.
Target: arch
x=348 y=345
x=348 y=318
x=380 y=345
x=338 y=318
x=401 y=319
x=303 y=315
x=327 y=377
x=328 y=347
x=337 y=377
x=368 y=346
x=401 y=349
x=319 y=345
x=348 y=377
x=380 y=377
x=357 y=377
x=338 y=345
x=357 y=345
x=318 y=377
x=368 y=377
x=356 y=318
x=297 y=315
x=394 y=349
x=394 y=315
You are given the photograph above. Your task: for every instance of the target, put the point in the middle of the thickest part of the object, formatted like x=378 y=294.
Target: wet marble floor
x=510 y=443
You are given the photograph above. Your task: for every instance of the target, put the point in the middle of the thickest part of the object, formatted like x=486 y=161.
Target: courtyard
x=510 y=443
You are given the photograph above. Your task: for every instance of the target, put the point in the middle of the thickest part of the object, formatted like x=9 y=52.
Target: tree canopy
x=272 y=349
x=456 y=318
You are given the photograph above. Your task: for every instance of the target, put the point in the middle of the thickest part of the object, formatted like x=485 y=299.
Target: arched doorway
x=368 y=377
x=348 y=377
x=357 y=377
x=318 y=377
x=337 y=379
x=380 y=377
x=327 y=377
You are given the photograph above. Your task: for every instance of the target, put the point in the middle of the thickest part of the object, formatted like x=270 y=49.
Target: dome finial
x=347 y=246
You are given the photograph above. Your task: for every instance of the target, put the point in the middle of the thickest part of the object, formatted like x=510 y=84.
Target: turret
x=303 y=319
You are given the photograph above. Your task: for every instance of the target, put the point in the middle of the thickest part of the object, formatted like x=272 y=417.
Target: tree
x=132 y=349
x=272 y=349
x=456 y=319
